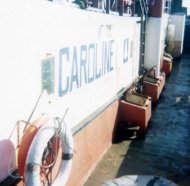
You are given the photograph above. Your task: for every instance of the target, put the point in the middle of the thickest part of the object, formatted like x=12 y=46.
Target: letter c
x=62 y=78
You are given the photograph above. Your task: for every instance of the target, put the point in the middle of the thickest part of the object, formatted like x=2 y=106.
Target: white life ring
x=44 y=134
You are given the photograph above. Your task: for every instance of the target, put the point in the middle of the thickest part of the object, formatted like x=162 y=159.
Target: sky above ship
x=186 y=3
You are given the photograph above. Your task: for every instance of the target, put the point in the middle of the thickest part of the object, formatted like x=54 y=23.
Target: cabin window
x=167 y=6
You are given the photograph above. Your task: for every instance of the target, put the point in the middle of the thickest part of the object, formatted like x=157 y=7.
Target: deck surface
x=165 y=150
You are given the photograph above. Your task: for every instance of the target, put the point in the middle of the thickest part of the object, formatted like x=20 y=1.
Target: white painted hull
x=92 y=55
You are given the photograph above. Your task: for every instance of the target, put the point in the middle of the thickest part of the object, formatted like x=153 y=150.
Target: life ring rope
x=52 y=128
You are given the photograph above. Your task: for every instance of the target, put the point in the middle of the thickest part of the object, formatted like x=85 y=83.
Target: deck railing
x=121 y=7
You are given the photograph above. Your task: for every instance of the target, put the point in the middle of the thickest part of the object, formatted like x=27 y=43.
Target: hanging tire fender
x=44 y=134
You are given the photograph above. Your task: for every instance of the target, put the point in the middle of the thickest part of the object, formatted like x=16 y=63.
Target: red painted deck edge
x=91 y=143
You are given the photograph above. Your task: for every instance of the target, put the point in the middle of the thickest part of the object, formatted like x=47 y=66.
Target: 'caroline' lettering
x=79 y=65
